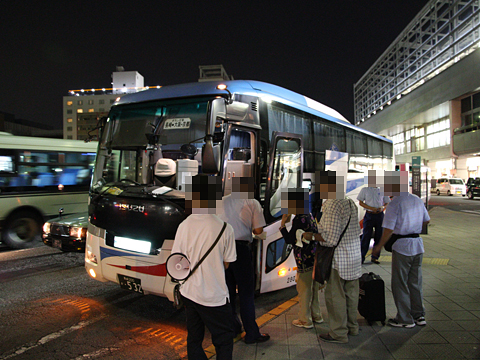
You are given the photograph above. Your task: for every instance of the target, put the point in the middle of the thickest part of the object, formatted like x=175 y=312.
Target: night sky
x=316 y=48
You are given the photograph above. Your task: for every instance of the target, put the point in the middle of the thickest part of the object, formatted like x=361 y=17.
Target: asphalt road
x=50 y=308
x=455 y=203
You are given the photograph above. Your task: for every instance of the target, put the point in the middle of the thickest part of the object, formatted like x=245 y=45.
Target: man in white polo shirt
x=372 y=199
x=205 y=293
x=245 y=214
x=404 y=219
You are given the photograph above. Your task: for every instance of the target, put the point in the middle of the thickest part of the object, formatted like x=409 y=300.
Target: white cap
x=165 y=167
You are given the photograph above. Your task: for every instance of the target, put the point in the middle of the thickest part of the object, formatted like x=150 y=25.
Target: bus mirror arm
x=210 y=156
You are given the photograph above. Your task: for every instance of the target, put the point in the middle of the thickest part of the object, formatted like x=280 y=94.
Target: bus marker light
x=282 y=272
x=92 y=273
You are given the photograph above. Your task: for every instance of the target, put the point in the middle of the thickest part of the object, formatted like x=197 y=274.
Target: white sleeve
x=230 y=251
x=258 y=220
x=361 y=194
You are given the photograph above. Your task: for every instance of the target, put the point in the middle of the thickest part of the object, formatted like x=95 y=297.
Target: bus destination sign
x=178 y=123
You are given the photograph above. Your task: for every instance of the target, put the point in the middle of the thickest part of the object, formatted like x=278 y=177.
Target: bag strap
x=208 y=252
x=348 y=223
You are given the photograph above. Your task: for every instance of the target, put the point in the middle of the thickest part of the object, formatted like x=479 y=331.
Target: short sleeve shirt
x=406 y=215
x=347 y=258
x=195 y=235
x=243 y=214
x=373 y=196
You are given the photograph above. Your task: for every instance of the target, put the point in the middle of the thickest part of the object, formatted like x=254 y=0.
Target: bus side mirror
x=217 y=110
x=211 y=153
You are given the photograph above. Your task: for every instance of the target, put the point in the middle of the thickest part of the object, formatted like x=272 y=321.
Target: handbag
x=324 y=258
x=177 y=296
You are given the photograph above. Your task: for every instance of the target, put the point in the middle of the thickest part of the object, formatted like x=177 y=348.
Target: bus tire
x=22 y=229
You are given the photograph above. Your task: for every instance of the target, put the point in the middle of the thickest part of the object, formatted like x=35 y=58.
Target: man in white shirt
x=205 y=293
x=245 y=215
x=404 y=219
x=372 y=199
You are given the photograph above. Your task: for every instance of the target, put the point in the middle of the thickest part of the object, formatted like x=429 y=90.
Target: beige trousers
x=307 y=290
x=341 y=298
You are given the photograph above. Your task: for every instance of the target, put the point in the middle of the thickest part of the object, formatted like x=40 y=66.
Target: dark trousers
x=218 y=321
x=371 y=221
x=240 y=274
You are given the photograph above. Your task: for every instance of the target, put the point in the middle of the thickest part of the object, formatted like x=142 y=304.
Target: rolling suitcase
x=371 y=304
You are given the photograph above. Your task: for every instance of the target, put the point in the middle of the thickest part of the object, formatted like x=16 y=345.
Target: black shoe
x=375 y=261
x=262 y=338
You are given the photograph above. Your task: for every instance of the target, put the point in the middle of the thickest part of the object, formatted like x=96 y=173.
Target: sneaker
x=301 y=324
x=395 y=323
x=318 y=321
x=420 y=321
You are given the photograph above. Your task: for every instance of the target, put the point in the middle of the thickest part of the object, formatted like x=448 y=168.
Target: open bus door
x=276 y=267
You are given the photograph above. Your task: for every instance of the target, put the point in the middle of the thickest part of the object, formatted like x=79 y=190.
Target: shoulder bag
x=324 y=258
x=177 y=297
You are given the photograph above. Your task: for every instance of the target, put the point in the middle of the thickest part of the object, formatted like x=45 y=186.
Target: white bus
x=235 y=128
x=37 y=177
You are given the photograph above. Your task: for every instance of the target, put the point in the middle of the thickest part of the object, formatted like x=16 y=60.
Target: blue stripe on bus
x=105 y=253
x=354 y=184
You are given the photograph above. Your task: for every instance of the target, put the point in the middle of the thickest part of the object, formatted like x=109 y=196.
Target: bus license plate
x=130 y=283
x=57 y=243
x=459 y=191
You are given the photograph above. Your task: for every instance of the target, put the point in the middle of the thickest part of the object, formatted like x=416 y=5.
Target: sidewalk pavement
x=451 y=289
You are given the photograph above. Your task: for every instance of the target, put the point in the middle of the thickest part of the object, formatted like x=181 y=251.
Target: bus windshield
x=160 y=128
x=175 y=123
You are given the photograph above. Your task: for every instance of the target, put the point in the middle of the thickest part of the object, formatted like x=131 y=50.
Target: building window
x=112 y=101
x=69 y=103
x=80 y=102
x=438 y=134
x=69 y=128
x=101 y=101
x=69 y=111
x=69 y=120
x=90 y=102
x=102 y=110
x=91 y=110
x=399 y=148
x=69 y=137
x=470 y=112
x=79 y=111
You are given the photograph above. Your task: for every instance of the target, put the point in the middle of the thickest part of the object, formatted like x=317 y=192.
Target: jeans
x=371 y=221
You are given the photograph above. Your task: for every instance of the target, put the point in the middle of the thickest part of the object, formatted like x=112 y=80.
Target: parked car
x=450 y=186
x=473 y=187
x=67 y=233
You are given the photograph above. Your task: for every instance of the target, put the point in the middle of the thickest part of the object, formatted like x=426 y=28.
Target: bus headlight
x=46 y=228
x=90 y=256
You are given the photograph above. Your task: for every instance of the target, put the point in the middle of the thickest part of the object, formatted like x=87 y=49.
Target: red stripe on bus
x=155 y=270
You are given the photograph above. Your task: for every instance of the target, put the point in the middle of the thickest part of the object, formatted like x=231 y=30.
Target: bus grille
x=60 y=230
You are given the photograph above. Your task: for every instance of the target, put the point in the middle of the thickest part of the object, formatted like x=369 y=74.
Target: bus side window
x=277 y=253
x=286 y=172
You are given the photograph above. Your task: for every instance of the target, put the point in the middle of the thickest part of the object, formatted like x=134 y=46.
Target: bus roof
x=45 y=144
x=267 y=92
